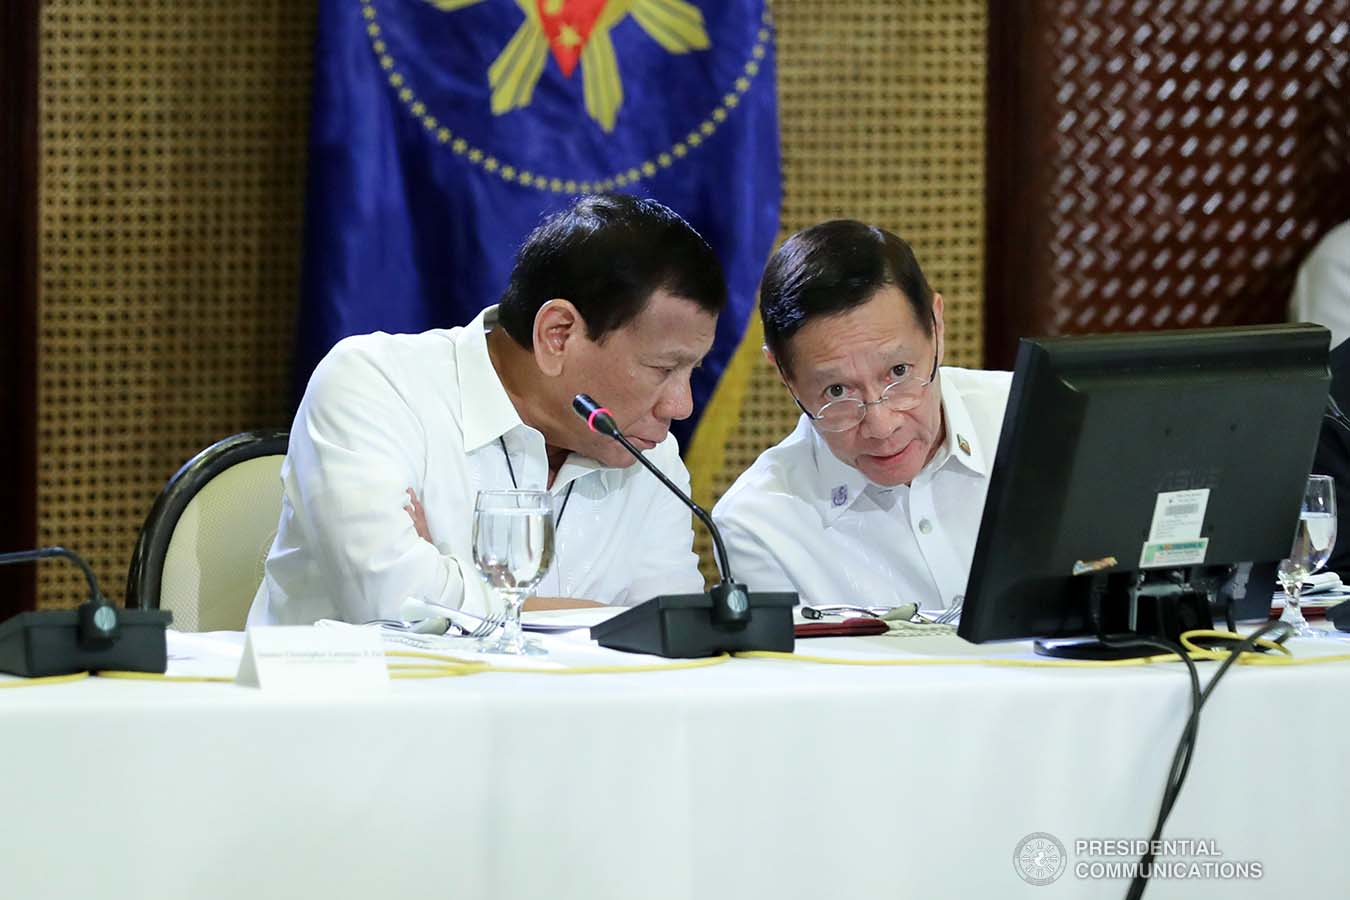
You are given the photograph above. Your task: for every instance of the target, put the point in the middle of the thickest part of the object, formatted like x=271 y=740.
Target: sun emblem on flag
x=576 y=33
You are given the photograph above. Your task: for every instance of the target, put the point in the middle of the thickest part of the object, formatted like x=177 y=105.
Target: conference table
x=953 y=772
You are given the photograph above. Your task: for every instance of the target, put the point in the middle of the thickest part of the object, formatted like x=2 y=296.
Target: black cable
x=27 y=556
x=1334 y=413
x=1246 y=645
x=1181 y=759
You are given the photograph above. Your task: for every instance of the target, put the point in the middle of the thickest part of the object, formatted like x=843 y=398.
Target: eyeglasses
x=900 y=395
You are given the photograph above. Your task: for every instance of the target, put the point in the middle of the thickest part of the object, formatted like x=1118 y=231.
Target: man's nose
x=880 y=421
x=676 y=401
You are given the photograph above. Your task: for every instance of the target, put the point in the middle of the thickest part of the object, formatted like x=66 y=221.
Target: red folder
x=847 y=628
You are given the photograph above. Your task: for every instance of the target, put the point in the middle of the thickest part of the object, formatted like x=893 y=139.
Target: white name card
x=302 y=659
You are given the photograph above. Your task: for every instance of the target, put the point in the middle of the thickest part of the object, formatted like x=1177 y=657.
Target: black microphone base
x=681 y=626
x=47 y=642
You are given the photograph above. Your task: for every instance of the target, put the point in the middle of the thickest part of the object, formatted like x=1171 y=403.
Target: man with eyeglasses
x=876 y=496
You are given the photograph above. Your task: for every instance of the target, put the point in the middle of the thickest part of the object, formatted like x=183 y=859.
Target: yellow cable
x=432 y=672
x=479 y=666
x=455 y=662
x=158 y=676
x=964 y=661
x=1195 y=651
x=445 y=666
x=1252 y=660
x=435 y=657
x=439 y=665
x=608 y=670
x=1199 y=652
x=46 y=679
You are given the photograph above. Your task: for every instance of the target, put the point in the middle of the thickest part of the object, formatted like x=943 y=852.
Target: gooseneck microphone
x=98 y=617
x=96 y=636
x=731 y=602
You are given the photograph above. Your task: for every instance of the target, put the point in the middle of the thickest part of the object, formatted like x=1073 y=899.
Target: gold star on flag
x=578 y=32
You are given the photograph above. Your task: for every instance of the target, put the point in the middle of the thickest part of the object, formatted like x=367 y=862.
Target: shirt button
x=925 y=526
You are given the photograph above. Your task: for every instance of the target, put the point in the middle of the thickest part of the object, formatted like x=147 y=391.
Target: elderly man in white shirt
x=876 y=496
x=616 y=297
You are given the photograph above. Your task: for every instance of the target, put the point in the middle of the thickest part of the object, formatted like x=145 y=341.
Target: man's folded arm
x=355 y=450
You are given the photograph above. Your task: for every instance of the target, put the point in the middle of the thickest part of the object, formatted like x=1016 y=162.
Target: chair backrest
x=201 y=551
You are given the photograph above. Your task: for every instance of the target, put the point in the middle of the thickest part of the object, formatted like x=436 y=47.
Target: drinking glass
x=1313 y=539
x=512 y=549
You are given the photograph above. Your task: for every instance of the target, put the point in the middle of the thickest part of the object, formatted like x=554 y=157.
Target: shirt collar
x=485 y=410
x=839 y=485
x=963 y=441
x=577 y=467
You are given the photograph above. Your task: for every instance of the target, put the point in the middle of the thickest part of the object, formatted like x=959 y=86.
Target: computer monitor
x=1134 y=472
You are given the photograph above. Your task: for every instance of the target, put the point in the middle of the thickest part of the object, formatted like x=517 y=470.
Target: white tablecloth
x=750 y=779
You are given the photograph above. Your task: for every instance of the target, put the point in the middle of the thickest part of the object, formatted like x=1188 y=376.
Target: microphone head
x=597 y=417
x=584 y=405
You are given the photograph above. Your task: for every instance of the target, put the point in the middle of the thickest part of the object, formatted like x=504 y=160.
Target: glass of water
x=1313 y=540
x=512 y=549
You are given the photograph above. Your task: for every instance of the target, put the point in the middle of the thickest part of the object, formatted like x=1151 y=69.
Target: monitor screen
x=1141 y=458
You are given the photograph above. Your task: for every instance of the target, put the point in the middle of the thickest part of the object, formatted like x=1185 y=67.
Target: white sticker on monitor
x=1170 y=555
x=1178 y=516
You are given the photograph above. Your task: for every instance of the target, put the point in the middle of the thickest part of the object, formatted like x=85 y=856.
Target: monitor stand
x=1162 y=605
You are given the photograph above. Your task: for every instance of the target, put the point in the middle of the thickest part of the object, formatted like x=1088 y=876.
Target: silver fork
x=472 y=625
x=950 y=615
x=469 y=624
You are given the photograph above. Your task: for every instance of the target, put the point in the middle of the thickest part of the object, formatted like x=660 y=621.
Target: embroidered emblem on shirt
x=962 y=443
x=840 y=495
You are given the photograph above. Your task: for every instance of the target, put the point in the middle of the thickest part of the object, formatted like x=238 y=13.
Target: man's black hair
x=607 y=254
x=830 y=268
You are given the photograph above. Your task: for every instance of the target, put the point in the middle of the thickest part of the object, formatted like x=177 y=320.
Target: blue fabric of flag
x=443 y=131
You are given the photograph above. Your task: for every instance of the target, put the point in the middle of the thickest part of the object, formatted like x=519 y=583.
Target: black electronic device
x=1086 y=531
x=95 y=636
x=1339 y=616
x=727 y=619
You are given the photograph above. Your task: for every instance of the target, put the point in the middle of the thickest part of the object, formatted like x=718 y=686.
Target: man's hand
x=419 y=516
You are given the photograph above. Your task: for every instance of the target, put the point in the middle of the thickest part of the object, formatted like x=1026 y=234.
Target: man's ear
x=773 y=361
x=557 y=324
x=939 y=328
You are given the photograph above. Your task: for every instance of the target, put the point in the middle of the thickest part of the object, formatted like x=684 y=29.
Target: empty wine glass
x=1313 y=540
x=512 y=549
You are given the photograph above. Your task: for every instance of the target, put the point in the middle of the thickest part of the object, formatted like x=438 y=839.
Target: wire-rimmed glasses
x=900 y=395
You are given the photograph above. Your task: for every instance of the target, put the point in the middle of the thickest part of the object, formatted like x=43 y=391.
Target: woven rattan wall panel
x=1183 y=157
x=882 y=112
x=172 y=161
x=883 y=119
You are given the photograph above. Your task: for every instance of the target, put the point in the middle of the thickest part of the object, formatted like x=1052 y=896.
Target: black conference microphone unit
x=726 y=619
x=95 y=636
